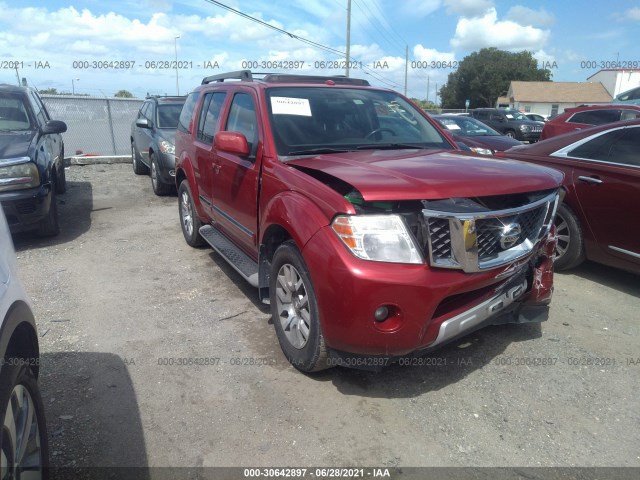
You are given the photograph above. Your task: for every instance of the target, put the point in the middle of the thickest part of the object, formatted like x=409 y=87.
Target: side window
x=596 y=149
x=628 y=114
x=625 y=149
x=143 y=110
x=43 y=109
x=209 y=116
x=187 y=112
x=483 y=115
x=596 y=117
x=242 y=118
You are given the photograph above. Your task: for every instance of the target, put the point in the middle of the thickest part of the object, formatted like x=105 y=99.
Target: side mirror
x=143 y=123
x=232 y=142
x=53 y=126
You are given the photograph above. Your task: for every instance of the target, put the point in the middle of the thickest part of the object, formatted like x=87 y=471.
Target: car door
x=206 y=127
x=145 y=135
x=606 y=178
x=235 y=178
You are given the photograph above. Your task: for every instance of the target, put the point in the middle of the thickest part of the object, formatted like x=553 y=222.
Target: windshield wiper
x=318 y=151
x=390 y=146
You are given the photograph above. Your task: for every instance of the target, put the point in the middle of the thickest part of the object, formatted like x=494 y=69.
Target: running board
x=239 y=260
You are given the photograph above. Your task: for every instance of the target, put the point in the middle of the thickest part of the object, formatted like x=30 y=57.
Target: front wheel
x=49 y=226
x=510 y=134
x=139 y=168
x=61 y=178
x=570 y=248
x=189 y=220
x=295 y=311
x=23 y=442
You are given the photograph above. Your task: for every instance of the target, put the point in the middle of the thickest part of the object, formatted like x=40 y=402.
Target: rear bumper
x=24 y=209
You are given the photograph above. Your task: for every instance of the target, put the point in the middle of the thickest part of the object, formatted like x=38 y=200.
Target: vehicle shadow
x=617 y=279
x=93 y=418
x=74 y=210
x=412 y=377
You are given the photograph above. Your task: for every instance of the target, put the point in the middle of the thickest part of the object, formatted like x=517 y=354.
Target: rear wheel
x=510 y=134
x=189 y=220
x=23 y=442
x=139 y=168
x=570 y=248
x=159 y=188
x=295 y=311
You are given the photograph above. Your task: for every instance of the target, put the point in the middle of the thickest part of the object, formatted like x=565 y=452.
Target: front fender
x=296 y=213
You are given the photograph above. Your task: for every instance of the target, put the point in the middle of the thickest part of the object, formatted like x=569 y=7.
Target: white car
x=24 y=450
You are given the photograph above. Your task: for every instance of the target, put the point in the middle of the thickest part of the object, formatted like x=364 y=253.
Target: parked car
x=536 y=117
x=630 y=97
x=587 y=116
x=479 y=137
x=31 y=161
x=509 y=122
x=24 y=448
x=597 y=219
x=153 y=135
x=361 y=223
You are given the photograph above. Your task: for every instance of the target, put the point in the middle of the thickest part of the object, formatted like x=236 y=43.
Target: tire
x=139 y=168
x=570 y=249
x=61 y=179
x=510 y=134
x=189 y=220
x=20 y=400
x=50 y=226
x=159 y=188
x=294 y=311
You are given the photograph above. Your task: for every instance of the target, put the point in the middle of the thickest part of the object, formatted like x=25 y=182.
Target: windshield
x=311 y=120
x=13 y=114
x=514 y=115
x=168 y=115
x=467 y=127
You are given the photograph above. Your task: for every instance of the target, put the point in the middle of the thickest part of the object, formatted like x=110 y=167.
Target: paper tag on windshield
x=290 y=106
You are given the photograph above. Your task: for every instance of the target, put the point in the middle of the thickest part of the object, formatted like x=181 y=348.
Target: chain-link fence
x=97 y=126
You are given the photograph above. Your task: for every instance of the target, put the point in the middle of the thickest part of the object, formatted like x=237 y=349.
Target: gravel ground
x=120 y=298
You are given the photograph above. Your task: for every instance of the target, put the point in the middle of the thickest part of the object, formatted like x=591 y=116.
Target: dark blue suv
x=31 y=161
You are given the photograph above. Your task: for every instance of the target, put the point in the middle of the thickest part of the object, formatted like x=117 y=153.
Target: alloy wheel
x=293 y=306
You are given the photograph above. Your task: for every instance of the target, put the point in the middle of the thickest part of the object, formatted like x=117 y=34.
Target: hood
x=499 y=143
x=430 y=174
x=15 y=144
x=168 y=134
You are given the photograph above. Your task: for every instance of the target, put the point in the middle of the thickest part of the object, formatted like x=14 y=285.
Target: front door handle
x=595 y=180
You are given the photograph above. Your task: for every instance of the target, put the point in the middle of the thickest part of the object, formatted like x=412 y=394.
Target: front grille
x=536 y=129
x=486 y=239
x=490 y=230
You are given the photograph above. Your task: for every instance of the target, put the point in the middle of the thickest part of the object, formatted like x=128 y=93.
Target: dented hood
x=430 y=174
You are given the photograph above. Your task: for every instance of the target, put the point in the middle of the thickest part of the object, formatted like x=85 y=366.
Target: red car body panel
x=607 y=211
x=562 y=123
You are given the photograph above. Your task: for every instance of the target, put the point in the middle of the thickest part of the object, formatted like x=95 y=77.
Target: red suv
x=588 y=116
x=366 y=229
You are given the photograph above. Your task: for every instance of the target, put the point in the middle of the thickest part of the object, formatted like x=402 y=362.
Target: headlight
x=482 y=151
x=380 y=238
x=19 y=176
x=167 y=147
x=525 y=128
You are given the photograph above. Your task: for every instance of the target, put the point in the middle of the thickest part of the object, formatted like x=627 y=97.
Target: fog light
x=381 y=314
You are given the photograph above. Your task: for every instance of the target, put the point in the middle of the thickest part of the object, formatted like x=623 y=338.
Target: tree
x=123 y=94
x=49 y=91
x=425 y=104
x=485 y=75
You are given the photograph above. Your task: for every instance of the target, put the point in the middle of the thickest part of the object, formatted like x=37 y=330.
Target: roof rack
x=248 y=76
x=238 y=75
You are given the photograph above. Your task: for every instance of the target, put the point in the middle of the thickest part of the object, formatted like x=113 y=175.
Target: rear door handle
x=595 y=180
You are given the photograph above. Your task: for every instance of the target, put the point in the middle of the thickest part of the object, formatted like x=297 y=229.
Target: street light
x=73 y=86
x=175 y=45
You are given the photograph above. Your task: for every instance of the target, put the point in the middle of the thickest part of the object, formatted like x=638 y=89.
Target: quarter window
x=187 y=112
x=209 y=116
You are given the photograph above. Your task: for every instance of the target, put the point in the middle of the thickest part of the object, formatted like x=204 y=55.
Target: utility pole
x=175 y=45
x=406 y=68
x=348 y=37
x=428 y=91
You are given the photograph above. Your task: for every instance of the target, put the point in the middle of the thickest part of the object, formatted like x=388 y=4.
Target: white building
x=617 y=80
x=550 y=98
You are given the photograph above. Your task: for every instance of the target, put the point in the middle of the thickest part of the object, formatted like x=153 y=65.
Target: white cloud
x=420 y=8
x=468 y=8
x=632 y=14
x=487 y=31
x=424 y=54
x=527 y=16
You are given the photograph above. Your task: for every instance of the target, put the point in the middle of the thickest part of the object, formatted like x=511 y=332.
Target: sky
x=97 y=48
